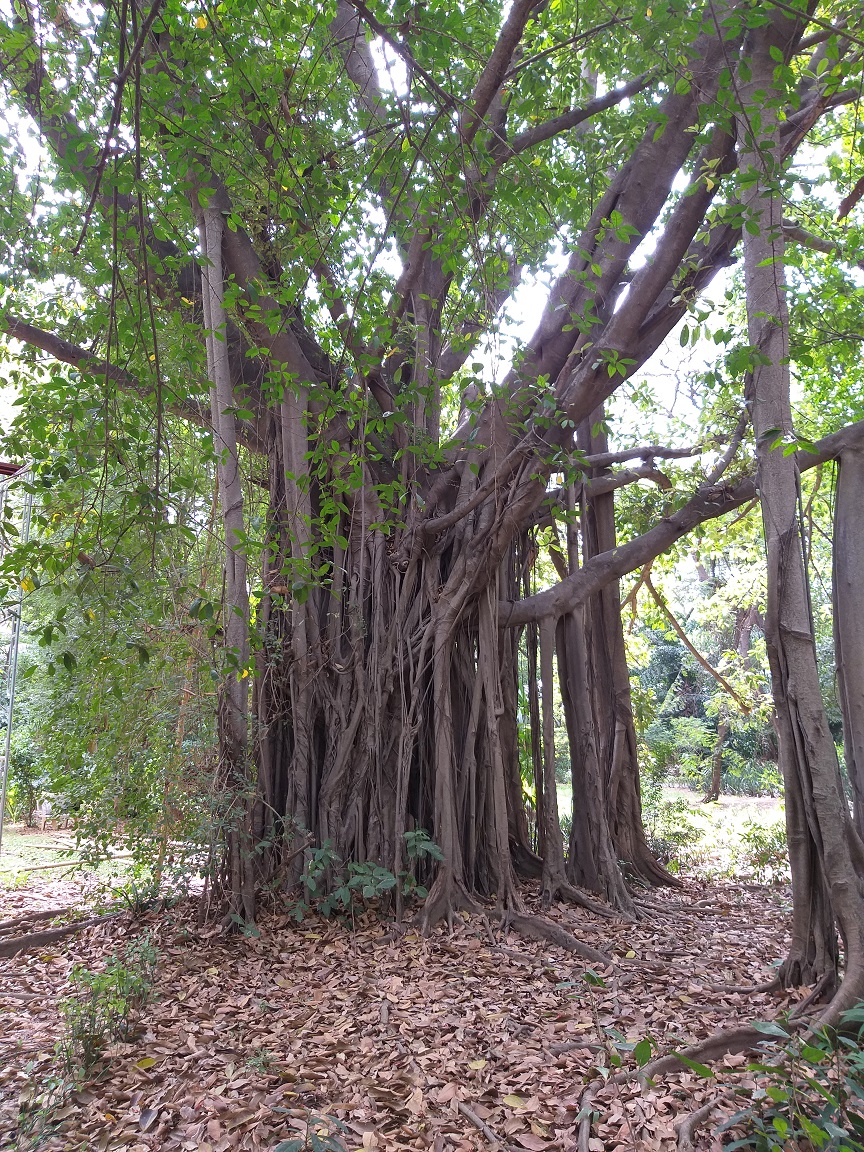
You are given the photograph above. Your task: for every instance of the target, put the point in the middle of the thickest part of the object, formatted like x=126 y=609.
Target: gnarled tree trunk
x=825 y=851
x=848 y=595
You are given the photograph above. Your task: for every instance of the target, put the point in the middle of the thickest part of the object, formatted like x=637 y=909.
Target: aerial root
x=446 y=898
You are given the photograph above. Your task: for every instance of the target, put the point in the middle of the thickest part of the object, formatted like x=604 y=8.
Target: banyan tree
x=315 y=228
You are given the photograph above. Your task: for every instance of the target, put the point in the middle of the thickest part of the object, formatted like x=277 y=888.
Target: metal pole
x=13 y=666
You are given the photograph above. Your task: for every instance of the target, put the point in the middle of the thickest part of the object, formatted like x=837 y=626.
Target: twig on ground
x=481 y=1125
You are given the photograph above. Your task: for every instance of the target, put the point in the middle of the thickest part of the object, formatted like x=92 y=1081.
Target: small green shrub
x=673 y=836
x=810 y=1093
x=318 y=1137
x=762 y=851
x=104 y=1006
x=330 y=889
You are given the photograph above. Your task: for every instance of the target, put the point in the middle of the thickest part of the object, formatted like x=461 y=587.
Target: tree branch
x=574 y=116
x=68 y=353
x=849 y=202
x=792 y=230
x=708 y=502
x=690 y=646
x=645 y=452
x=492 y=76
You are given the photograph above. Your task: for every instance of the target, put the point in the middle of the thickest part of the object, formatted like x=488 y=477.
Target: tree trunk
x=824 y=850
x=713 y=792
x=848 y=594
x=234 y=689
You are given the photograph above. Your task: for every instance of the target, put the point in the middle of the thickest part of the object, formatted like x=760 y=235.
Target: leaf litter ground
x=445 y=1043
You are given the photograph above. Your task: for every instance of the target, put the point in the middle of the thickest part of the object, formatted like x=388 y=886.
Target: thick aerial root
x=652 y=872
x=801 y=972
x=538 y=928
x=574 y=896
x=849 y=994
x=557 y=888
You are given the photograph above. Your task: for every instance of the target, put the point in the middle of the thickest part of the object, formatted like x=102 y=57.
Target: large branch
x=575 y=116
x=68 y=353
x=592 y=281
x=707 y=503
x=492 y=76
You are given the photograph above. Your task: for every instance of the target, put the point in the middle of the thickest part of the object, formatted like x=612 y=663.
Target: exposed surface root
x=447 y=897
x=747 y=989
x=587 y=1113
x=686 y=1129
x=713 y=1048
x=720 y=1044
x=7 y=926
x=37 y=939
x=823 y=990
x=538 y=928
x=574 y=896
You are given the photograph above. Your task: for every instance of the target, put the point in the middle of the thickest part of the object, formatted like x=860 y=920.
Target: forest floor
x=447 y=1043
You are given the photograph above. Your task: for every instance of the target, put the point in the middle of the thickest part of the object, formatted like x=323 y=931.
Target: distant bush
x=26 y=781
x=673 y=836
x=762 y=851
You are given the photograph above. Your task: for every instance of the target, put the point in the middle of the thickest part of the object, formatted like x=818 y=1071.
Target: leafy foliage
x=104 y=1005
x=762 y=851
x=810 y=1094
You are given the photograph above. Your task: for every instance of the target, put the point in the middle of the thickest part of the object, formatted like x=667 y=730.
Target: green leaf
x=770 y=1028
x=694 y=1066
x=642 y=1052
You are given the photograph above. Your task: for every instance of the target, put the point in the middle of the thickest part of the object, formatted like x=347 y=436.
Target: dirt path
x=408 y=1043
